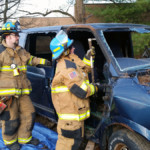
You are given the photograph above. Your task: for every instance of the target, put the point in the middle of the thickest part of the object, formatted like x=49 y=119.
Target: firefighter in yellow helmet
x=18 y=117
x=70 y=92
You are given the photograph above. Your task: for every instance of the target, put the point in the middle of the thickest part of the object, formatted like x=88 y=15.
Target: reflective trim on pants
x=10 y=142
x=77 y=117
x=24 y=140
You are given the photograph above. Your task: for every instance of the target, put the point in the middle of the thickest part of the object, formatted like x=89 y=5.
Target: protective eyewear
x=16 y=35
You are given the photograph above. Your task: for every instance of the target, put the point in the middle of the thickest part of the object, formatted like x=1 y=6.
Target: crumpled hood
x=132 y=100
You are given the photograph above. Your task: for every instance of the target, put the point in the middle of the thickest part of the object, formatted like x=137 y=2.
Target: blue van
x=119 y=121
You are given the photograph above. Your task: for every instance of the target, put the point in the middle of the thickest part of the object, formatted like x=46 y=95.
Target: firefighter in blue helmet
x=11 y=27
x=60 y=44
x=70 y=92
x=19 y=115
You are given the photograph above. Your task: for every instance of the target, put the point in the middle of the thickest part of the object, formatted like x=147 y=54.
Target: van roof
x=101 y=26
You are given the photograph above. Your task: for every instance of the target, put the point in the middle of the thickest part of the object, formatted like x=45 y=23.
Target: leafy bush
x=123 y=12
x=139 y=43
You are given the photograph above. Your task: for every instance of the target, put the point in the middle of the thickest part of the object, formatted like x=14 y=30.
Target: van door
x=81 y=37
x=41 y=76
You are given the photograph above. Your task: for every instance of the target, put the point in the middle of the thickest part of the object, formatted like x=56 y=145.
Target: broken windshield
x=129 y=49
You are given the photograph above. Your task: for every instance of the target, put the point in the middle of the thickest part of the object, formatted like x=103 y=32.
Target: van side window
x=42 y=44
x=119 y=43
x=38 y=45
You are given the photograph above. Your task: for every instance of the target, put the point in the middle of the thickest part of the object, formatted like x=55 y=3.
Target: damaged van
x=120 y=120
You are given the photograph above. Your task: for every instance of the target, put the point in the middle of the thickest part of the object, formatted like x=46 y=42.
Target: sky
x=43 y=5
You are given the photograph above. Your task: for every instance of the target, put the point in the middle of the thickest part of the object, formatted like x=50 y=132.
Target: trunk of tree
x=8 y=9
x=79 y=12
x=5 y=11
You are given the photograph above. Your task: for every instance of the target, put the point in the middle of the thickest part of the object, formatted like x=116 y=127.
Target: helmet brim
x=8 y=32
x=70 y=44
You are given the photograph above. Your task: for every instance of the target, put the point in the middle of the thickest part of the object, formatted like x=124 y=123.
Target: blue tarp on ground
x=46 y=137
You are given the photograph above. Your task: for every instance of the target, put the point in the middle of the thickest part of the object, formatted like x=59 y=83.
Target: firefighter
x=70 y=92
x=18 y=118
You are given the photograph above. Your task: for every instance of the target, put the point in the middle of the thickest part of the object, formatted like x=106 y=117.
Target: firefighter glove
x=103 y=87
x=91 y=52
x=48 y=63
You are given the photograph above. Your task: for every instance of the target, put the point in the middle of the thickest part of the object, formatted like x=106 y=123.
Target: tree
x=80 y=12
x=79 y=9
x=11 y=9
x=8 y=9
x=124 y=11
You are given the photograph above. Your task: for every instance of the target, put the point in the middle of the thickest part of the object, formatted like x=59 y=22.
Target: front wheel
x=127 y=140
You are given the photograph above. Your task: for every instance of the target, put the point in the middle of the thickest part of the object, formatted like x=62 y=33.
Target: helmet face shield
x=62 y=37
x=59 y=44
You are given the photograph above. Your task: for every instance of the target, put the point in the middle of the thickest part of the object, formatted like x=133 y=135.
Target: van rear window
x=42 y=44
x=38 y=45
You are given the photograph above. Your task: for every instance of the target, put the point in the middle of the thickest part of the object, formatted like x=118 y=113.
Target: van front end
x=129 y=114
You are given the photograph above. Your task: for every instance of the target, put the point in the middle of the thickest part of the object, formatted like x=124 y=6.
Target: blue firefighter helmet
x=10 y=27
x=59 y=44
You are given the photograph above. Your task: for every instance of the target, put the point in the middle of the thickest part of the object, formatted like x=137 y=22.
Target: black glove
x=48 y=63
x=90 y=52
x=103 y=87
x=107 y=89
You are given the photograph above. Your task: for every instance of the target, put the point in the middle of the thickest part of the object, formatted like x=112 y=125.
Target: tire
x=127 y=140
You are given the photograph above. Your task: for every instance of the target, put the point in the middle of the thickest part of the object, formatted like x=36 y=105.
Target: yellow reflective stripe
x=24 y=140
x=21 y=68
x=77 y=117
x=30 y=61
x=87 y=61
x=92 y=89
x=8 y=68
x=84 y=86
x=10 y=142
x=42 y=61
x=59 y=89
x=15 y=91
x=56 y=49
x=10 y=91
x=26 y=91
x=8 y=28
x=5 y=68
x=87 y=82
x=65 y=88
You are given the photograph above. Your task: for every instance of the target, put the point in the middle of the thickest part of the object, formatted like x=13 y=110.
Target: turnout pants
x=70 y=134
x=18 y=120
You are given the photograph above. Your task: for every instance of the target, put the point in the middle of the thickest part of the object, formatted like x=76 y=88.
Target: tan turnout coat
x=11 y=84
x=71 y=88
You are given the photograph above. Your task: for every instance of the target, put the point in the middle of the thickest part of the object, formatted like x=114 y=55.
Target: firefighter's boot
x=34 y=142
x=14 y=146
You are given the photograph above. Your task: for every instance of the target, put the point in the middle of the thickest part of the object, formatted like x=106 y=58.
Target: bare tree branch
x=18 y=2
x=9 y=9
x=70 y=3
x=49 y=12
